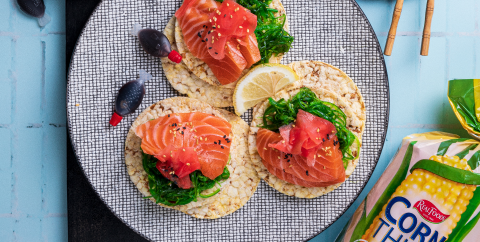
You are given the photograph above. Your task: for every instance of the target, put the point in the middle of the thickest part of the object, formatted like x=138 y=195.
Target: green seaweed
x=167 y=192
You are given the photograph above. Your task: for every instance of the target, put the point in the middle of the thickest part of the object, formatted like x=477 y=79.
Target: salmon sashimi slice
x=201 y=22
x=209 y=139
x=179 y=118
x=179 y=165
x=297 y=181
x=249 y=48
x=306 y=136
x=327 y=169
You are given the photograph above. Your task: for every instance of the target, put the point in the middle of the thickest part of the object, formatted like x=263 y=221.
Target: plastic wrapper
x=428 y=193
x=464 y=97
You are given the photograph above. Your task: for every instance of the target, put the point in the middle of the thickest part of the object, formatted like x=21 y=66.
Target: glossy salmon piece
x=209 y=138
x=179 y=118
x=249 y=48
x=305 y=136
x=223 y=54
x=327 y=168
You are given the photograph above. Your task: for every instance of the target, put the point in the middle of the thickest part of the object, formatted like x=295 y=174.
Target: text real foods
x=428 y=193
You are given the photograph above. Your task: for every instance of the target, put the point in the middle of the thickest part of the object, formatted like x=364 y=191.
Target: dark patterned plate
x=106 y=56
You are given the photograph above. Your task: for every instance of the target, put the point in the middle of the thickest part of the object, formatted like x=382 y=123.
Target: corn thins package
x=428 y=193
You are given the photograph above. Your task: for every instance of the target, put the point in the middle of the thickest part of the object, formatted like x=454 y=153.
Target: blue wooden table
x=32 y=103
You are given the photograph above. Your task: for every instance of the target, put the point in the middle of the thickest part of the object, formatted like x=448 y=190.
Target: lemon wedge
x=260 y=83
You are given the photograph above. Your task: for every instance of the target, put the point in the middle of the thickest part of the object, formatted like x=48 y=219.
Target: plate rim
x=372 y=170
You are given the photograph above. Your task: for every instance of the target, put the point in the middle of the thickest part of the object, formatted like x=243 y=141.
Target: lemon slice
x=260 y=83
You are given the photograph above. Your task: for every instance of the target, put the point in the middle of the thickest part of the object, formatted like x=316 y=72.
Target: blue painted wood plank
x=32 y=125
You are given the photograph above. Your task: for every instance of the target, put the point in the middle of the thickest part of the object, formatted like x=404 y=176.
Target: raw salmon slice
x=209 y=138
x=327 y=169
x=227 y=52
x=179 y=118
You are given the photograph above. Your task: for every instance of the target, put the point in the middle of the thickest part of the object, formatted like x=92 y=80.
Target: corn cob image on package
x=428 y=193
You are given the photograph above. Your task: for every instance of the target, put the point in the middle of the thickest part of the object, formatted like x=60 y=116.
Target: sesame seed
x=78 y=104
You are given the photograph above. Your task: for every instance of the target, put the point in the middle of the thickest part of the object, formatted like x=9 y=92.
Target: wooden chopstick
x=393 y=27
x=426 y=28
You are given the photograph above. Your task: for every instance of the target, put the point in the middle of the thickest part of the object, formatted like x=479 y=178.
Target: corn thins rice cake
x=235 y=191
x=200 y=68
x=331 y=85
x=317 y=74
x=185 y=82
